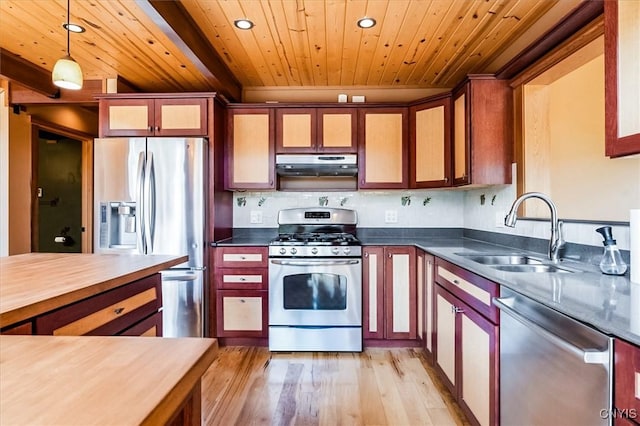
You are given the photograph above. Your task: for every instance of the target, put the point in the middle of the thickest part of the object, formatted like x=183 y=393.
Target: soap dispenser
x=611 y=263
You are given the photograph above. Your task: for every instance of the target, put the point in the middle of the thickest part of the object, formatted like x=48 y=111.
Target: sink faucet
x=556 y=241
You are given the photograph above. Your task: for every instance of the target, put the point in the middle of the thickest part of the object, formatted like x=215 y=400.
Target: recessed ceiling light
x=366 y=22
x=243 y=24
x=74 y=28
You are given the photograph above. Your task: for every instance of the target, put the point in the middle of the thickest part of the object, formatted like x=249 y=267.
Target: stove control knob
x=346 y=250
x=294 y=250
x=335 y=250
x=282 y=250
x=314 y=250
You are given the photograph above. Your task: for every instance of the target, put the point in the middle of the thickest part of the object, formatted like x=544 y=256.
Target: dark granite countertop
x=608 y=303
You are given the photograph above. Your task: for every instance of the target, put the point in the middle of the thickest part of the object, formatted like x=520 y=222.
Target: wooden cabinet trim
x=148 y=327
x=25 y=328
x=353 y=133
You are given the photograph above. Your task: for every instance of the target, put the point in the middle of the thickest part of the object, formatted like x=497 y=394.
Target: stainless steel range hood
x=344 y=165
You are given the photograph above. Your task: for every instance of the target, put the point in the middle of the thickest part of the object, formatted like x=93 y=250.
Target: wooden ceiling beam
x=176 y=23
x=24 y=95
x=38 y=79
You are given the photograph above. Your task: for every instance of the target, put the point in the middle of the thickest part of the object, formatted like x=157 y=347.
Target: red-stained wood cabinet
x=466 y=343
x=390 y=304
x=240 y=281
x=482 y=131
x=626 y=390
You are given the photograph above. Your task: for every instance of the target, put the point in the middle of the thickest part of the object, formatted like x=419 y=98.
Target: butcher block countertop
x=34 y=283
x=92 y=380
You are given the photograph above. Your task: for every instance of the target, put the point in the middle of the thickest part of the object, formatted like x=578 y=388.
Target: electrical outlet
x=391 y=216
x=255 y=216
x=500 y=219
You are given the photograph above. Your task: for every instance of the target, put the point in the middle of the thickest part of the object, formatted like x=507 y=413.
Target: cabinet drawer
x=148 y=327
x=472 y=289
x=108 y=313
x=242 y=313
x=627 y=380
x=239 y=279
x=24 y=328
x=241 y=257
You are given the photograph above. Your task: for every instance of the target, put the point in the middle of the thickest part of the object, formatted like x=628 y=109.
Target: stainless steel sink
x=511 y=259
x=531 y=268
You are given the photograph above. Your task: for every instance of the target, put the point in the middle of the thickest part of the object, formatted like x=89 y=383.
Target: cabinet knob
x=456 y=282
x=390 y=255
x=157 y=128
x=446 y=179
x=150 y=128
x=243 y=279
x=366 y=254
x=118 y=311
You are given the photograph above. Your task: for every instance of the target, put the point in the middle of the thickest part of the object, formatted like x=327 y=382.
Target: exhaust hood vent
x=343 y=165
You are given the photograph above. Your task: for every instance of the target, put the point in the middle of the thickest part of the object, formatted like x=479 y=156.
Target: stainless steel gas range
x=315 y=282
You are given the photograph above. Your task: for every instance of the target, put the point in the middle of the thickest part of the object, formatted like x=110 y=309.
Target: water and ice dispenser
x=118 y=225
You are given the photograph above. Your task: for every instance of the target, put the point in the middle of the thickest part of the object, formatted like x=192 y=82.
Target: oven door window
x=315 y=291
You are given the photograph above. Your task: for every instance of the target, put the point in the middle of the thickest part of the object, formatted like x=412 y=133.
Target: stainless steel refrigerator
x=149 y=196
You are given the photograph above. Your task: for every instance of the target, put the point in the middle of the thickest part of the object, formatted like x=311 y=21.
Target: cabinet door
x=427 y=283
x=627 y=380
x=430 y=144
x=482 y=131
x=373 y=289
x=126 y=117
x=295 y=130
x=337 y=130
x=445 y=337
x=180 y=117
x=400 y=293
x=461 y=137
x=478 y=366
x=622 y=77
x=383 y=149
x=242 y=313
x=251 y=160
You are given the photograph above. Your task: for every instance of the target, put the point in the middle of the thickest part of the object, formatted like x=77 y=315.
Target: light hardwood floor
x=250 y=385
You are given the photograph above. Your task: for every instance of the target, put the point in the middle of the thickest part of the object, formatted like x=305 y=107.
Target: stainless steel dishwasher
x=553 y=370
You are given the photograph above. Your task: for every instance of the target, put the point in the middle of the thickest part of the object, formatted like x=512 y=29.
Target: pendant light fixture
x=66 y=72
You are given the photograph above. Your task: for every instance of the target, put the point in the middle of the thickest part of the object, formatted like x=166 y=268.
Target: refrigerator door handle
x=140 y=216
x=150 y=197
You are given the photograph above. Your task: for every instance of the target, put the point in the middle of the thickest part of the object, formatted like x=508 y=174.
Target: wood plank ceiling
x=416 y=43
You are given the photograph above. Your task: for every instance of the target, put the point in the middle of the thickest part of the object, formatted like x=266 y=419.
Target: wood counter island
x=34 y=284
x=91 y=380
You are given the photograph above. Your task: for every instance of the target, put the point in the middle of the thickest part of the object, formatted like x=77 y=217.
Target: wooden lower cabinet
x=466 y=340
x=133 y=308
x=466 y=355
x=626 y=370
x=240 y=280
x=23 y=329
x=390 y=301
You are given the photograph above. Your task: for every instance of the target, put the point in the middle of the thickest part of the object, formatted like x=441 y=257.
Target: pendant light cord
x=68 y=32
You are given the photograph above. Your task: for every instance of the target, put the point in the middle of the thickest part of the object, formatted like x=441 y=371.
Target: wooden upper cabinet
x=430 y=144
x=482 y=131
x=316 y=130
x=250 y=150
x=622 y=77
x=153 y=117
x=383 y=149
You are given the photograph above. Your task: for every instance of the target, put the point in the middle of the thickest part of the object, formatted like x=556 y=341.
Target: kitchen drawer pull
x=242 y=279
x=456 y=282
x=118 y=311
x=457 y=310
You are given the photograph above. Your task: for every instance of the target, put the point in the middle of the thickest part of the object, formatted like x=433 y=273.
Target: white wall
x=4 y=175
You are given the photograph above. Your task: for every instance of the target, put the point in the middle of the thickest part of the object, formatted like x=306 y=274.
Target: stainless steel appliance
x=149 y=197
x=315 y=282
x=553 y=370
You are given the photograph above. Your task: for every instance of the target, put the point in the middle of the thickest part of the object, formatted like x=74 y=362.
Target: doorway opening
x=62 y=196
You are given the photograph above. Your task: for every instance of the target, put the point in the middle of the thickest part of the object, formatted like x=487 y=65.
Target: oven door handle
x=314 y=262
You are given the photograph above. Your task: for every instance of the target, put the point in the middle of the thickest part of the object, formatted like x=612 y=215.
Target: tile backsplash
x=478 y=209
